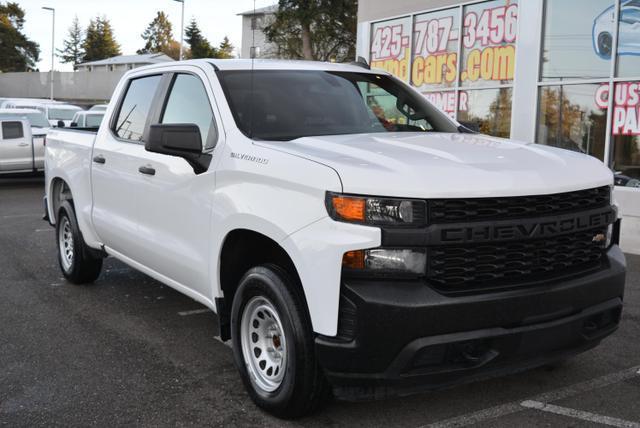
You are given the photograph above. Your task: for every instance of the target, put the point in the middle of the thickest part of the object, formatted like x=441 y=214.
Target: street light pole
x=53 y=44
x=181 y=28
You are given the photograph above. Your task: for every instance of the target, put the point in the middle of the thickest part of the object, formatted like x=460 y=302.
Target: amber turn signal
x=349 y=208
x=353 y=259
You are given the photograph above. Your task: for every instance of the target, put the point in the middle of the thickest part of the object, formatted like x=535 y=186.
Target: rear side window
x=135 y=108
x=188 y=103
x=93 y=120
x=12 y=130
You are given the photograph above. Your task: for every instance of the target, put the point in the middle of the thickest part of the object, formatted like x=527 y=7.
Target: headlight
x=387 y=261
x=376 y=211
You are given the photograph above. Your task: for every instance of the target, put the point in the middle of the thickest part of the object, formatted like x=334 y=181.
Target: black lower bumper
x=403 y=337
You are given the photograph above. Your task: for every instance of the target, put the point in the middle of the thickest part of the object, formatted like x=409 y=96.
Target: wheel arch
x=241 y=250
x=59 y=190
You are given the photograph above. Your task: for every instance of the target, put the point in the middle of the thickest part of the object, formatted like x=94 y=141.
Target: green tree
x=199 y=45
x=72 y=51
x=225 y=50
x=158 y=36
x=314 y=29
x=99 y=42
x=17 y=52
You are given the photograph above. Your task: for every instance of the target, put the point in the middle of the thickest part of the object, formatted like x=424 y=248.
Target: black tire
x=303 y=389
x=82 y=266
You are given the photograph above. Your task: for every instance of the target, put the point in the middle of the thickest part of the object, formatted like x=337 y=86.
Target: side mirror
x=61 y=124
x=74 y=124
x=182 y=140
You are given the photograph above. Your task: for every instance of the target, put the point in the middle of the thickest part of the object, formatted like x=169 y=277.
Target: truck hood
x=444 y=165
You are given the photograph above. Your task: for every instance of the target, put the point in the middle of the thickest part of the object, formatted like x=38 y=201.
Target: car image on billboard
x=628 y=35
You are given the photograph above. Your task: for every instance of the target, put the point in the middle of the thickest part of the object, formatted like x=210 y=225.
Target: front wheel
x=77 y=263
x=273 y=344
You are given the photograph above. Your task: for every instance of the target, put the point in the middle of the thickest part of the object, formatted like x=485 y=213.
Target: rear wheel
x=76 y=260
x=273 y=344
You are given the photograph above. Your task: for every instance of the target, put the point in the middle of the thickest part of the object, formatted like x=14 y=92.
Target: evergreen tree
x=199 y=45
x=99 y=42
x=314 y=29
x=17 y=52
x=72 y=52
x=225 y=50
x=158 y=36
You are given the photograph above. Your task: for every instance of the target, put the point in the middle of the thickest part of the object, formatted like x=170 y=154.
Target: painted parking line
x=50 y=229
x=579 y=414
x=193 y=312
x=557 y=394
x=20 y=215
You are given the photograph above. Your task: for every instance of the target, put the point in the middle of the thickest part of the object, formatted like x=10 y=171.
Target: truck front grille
x=501 y=208
x=489 y=266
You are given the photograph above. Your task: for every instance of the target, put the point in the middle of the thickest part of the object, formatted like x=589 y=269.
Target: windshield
x=62 y=113
x=93 y=120
x=289 y=104
x=36 y=120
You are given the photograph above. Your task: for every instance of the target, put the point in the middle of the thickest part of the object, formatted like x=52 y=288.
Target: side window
x=188 y=103
x=135 y=108
x=12 y=130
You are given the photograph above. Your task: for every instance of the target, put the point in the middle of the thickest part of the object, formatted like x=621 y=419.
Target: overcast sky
x=129 y=18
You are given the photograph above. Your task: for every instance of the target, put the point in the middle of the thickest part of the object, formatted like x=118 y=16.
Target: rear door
x=15 y=146
x=114 y=171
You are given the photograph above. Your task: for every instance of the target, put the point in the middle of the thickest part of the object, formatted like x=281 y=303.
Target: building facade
x=533 y=70
x=254 y=42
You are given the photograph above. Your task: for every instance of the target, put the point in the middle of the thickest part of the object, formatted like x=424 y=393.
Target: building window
x=578 y=44
x=625 y=132
x=489 y=37
x=390 y=46
x=446 y=53
x=486 y=110
x=628 y=39
x=572 y=118
x=577 y=40
x=256 y=21
x=435 y=49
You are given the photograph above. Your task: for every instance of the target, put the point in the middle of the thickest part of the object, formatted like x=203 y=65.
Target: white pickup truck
x=20 y=150
x=348 y=235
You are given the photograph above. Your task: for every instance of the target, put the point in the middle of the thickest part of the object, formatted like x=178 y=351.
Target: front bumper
x=400 y=337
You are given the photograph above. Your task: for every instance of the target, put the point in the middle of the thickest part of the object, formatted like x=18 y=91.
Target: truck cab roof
x=264 y=64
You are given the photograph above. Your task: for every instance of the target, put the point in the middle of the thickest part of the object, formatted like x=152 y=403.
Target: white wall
x=90 y=86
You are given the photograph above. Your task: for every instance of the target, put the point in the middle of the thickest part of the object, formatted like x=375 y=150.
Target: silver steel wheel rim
x=65 y=241
x=264 y=346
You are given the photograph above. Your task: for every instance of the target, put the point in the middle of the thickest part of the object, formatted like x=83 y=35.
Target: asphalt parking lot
x=130 y=351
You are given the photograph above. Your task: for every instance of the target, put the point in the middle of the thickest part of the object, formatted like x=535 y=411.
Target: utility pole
x=181 y=28
x=53 y=44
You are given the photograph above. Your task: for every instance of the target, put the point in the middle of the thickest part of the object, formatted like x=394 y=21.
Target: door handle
x=99 y=159
x=23 y=144
x=147 y=170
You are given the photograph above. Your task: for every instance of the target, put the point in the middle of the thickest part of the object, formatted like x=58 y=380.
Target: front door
x=175 y=220
x=164 y=207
